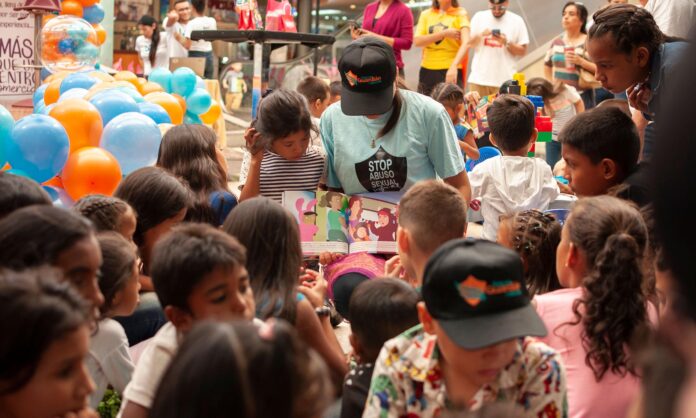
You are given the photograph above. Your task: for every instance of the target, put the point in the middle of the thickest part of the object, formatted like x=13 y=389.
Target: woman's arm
x=425 y=40
x=451 y=76
x=461 y=183
x=405 y=38
x=548 y=72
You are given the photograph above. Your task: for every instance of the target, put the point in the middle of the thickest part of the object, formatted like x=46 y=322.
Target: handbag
x=587 y=80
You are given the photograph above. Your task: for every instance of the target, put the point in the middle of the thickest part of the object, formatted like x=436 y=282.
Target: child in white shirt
x=512 y=182
x=109 y=361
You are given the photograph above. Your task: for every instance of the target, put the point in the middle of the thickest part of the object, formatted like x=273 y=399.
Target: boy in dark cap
x=472 y=347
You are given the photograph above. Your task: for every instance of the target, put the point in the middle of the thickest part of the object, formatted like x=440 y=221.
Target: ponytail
x=613 y=308
x=153 y=47
x=397 y=103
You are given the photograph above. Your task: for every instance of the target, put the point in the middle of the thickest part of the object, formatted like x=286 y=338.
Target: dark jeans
x=144 y=323
x=428 y=79
x=208 y=74
x=553 y=153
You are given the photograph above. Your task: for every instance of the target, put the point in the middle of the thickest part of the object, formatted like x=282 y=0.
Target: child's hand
x=308 y=276
x=475 y=205
x=472 y=98
x=173 y=16
x=316 y=293
x=393 y=267
x=326 y=258
x=252 y=139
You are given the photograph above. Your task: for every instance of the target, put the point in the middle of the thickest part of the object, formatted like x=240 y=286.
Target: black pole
x=316 y=31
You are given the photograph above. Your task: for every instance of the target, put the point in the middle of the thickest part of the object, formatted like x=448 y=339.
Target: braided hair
x=630 y=26
x=105 y=212
x=612 y=236
x=535 y=236
x=448 y=94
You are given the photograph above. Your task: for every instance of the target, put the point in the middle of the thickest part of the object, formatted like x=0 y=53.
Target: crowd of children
x=172 y=299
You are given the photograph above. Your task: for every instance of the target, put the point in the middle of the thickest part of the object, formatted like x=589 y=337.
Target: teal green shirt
x=422 y=145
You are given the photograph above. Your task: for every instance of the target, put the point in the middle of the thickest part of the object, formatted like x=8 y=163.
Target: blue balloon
x=44 y=73
x=93 y=14
x=77 y=92
x=19 y=173
x=112 y=104
x=47 y=109
x=183 y=81
x=200 y=84
x=78 y=33
x=192 y=119
x=134 y=140
x=38 y=146
x=198 y=102
x=39 y=94
x=59 y=197
x=52 y=192
x=66 y=45
x=6 y=124
x=39 y=107
x=87 y=51
x=133 y=93
x=163 y=77
x=154 y=112
x=78 y=80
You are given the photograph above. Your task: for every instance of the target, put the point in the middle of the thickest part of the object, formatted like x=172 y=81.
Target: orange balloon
x=127 y=76
x=81 y=121
x=101 y=34
x=212 y=115
x=88 y=3
x=169 y=103
x=150 y=87
x=71 y=7
x=100 y=75
x=52 y=92
x=91 y=170
x=55 y=182
x=46 y=17
x=181 y=100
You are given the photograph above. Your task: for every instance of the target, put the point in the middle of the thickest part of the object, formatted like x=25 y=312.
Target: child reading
x=561 y=103
x=452 y=97
x=512 y=182
x=280 y=157
x=601 y=150
x=199 y=273
x=603 y=306
x=472 y=347
x=379 y=311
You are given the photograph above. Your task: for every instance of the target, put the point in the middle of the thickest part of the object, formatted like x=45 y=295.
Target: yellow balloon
x=213 y=114
x=128 y=77
x=101 y=76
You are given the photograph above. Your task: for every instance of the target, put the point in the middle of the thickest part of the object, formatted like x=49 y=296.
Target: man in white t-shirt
x=674 y=17
x=499 y=38
x=176 y=26
x=201 y=49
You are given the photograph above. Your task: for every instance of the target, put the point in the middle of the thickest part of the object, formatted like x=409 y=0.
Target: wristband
x=323 y=312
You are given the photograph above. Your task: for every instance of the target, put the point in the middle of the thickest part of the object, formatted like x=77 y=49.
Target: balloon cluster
x=183 y=82
x=71 y=43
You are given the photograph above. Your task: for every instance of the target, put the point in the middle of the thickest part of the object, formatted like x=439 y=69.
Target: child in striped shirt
x=279 y=156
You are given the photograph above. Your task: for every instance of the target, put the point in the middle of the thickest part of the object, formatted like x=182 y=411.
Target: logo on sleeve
x=382 y=172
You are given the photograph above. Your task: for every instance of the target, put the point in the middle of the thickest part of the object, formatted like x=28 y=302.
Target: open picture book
x=338 y=223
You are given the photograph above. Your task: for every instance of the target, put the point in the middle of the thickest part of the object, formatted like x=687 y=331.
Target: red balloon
x=91 y=170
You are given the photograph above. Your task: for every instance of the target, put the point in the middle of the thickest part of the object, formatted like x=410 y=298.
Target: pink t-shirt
x=587 y=398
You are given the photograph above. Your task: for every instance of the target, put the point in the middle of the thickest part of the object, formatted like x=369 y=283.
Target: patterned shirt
x=555 y=57
x=407 y=381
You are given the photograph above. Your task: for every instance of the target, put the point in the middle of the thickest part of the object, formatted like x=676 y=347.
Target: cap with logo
x=475 y=290
x=368 y=71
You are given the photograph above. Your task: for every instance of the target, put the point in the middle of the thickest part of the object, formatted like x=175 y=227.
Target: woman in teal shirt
x=381 y=138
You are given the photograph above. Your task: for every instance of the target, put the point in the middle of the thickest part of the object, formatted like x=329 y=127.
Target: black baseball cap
x=368 y=71
x=475 y=290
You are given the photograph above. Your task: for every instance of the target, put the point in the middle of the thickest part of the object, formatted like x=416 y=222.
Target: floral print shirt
x=407 y=381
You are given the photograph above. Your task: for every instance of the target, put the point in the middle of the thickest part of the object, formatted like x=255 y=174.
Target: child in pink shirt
x=592 y=321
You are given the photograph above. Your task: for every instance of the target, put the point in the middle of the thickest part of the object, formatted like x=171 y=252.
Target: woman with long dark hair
x=151 y=45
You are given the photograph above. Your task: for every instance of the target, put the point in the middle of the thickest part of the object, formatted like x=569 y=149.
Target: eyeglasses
x=497 y=7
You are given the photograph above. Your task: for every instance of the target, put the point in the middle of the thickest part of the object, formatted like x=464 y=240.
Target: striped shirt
x=555 y=57
x=563 y=109
x=279 y=175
